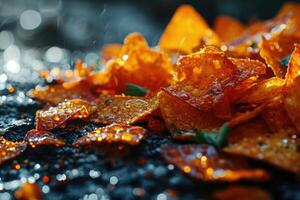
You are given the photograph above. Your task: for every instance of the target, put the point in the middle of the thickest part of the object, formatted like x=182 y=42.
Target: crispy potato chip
x=56 y=94
x=57 y=117
x=292 y=9
x=110 y=51
x=114 y=133
x=241 y=193
x=247 y=43
x=29 y=191
x=179 y=115
x=42 y=138
x=205 y=163
x=228 y=28
x=124 y=109
x=139 y=65
x=291 y=91
x=10 y=150
x=264 y=92
x=254 y=140
x=187 y=32
x=275 y=49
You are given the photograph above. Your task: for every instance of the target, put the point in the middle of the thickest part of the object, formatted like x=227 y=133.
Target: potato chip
x=55 y=94
x=187 y=32
x=254 y=140
x=139 y=65
x=10 y=150
x=292 y=9
x=114 y=133
x=205 y=163
x=124 y=109
x=241 y=193
x=57 y=117
x=29 y=191
x=179 y=115
x=291 y=91
x=228 y=28
x=264 y=92
x=275 y=49
x=110 y=51
x=42 y=138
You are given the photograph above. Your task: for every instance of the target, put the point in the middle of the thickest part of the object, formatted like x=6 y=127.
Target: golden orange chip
x=254 y=140
x=10 y=150
x=138 y=64
x=241 y=193
x=57 y=117
x=276 y=117
x=228 y=28
x=275 y=49
x=28 y=191
x=264 y=92
x=291 y=91
x=114 y=133
x=205 y=163
x=42 y=138
x=292 y=9
x=179 y=115
x=248 y=42
x=124 y=109
x=187 y=32
x=110 y=51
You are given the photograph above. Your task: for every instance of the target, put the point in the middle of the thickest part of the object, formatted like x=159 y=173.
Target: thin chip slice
x=291 y=91
x=254 y=140
x=56 y=94
x=292 y=9
x=241 y=193
x=29 y=191
x=138 y=64
x=57 y=117
x=114 y=133
x=205 y=163
x=187 y=32
x=264 y=92
x=221 y=28
x=179 y=115
x=42 y=138
x=110 y=51
x=124 y=109
x=10 y=150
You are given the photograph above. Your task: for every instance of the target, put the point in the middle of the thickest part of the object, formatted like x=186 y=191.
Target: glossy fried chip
x=241 y=193
x=275 y=49
x=42 y=138
x=124 y=109
x=57 y=117
x=29 y=191
x=55 y=94
x=291 y=91
x=179 y=115
x=114 y=133
x=228 y=28
x=292 y=9
x=10 y=150
x=205 y=163
x=138 y=64
x=110 y=51
x=254 y=140
x=264 y=92
x=187 y=32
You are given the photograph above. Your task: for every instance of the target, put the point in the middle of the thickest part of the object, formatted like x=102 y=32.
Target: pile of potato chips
x=198 y=79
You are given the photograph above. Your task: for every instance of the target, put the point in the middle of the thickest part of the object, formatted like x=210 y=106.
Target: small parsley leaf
x=285 y=60
x=135 y=90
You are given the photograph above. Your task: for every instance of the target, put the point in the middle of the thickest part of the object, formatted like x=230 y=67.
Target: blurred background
x=38 y=34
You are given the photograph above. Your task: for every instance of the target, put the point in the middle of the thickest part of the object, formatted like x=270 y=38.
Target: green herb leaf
x=135 y=90
x=285 y=60
x=213 y=138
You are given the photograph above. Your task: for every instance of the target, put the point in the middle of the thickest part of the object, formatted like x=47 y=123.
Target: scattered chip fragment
x=10 y=149
x=42 y=138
